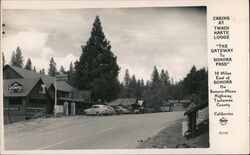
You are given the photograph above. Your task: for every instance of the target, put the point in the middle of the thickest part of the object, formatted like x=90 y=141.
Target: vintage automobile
x=99 y=110
x=121 y=110
x=166 y=108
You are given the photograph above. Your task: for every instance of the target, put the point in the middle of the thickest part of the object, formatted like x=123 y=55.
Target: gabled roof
x=48 y=80
x=28 y=85
x=123 y=102
x=27 y=74
x=64 y=86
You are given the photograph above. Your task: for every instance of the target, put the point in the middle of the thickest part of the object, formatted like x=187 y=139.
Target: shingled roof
x=48 y=80
x=123 y=102
x=64 y=86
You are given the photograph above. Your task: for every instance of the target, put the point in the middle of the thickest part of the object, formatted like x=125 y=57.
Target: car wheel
x=97 y=114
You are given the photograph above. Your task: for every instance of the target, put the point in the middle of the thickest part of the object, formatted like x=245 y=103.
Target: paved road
x=86 y=132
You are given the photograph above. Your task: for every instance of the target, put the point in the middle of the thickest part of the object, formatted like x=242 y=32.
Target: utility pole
x=55 y=107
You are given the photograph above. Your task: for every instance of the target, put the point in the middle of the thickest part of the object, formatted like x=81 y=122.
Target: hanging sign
x=61 y=77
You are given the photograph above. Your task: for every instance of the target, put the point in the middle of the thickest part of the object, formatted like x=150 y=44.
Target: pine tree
x=19 y=58
x=62 y=70
x=52 y=68
x=13 y=59
x=155 y=77
x=28 y=65
x=164 y=77
x=154 y=93
x=132 y=87
x=71 y=67
x=142 y=83
x=195 y=85
x=125 y=90
x=97 y=68
x=126 y=79
x=3 y=59
x=139 y=88
x=34 y=69
x=42 y=71
x=71 y=73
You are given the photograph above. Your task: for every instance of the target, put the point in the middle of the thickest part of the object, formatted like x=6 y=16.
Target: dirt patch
x=171 y=137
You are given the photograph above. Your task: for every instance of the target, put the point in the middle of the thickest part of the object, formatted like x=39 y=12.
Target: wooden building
x=28 y=94
x=131 y=104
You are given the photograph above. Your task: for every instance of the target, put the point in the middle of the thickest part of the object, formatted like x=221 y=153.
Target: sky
x=172 y=39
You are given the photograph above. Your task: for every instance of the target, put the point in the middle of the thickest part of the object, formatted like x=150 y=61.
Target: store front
x=25 y=99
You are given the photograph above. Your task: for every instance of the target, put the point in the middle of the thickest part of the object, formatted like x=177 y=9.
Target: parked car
x=139 y=110
x=99 y=110
x=166 y=108
x=149 y=110
x=121 y=110
x=111 y=111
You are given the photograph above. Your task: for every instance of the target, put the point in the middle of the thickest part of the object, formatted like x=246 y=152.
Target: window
x=15 y=101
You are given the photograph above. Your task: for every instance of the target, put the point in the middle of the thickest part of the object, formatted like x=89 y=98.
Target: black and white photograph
x=105 y=78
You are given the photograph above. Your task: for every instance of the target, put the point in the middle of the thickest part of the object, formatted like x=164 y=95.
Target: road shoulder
x=171 y=137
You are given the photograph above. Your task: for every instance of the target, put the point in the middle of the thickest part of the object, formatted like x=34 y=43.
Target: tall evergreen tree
x=126 y=79
x=97 y=68
x=154 y=94
x=13 y=59
x=139 y=88
x=71 y=67
x=34 y=69
x=132 y=87
x=19 y=58
x=165 y=77
x=142 y=83
x=125 y=90
x=42 y=71
x=3 y=59
x=155 y=77
x=52 y=67
x=62 y=70
x=28 y=65
x=195 y=85
x=71 y=73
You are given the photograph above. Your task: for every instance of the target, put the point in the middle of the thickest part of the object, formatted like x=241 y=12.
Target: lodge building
x=27 y=94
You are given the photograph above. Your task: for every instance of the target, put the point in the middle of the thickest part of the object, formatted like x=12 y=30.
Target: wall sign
x=12 y=109
x=15 y=87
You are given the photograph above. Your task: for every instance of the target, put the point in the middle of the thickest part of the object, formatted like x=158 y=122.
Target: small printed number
x=223 y=133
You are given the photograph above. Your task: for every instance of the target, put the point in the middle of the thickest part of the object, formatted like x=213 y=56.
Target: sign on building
x=15 y=87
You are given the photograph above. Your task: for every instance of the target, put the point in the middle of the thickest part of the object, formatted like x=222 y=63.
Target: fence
x=11 y=116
